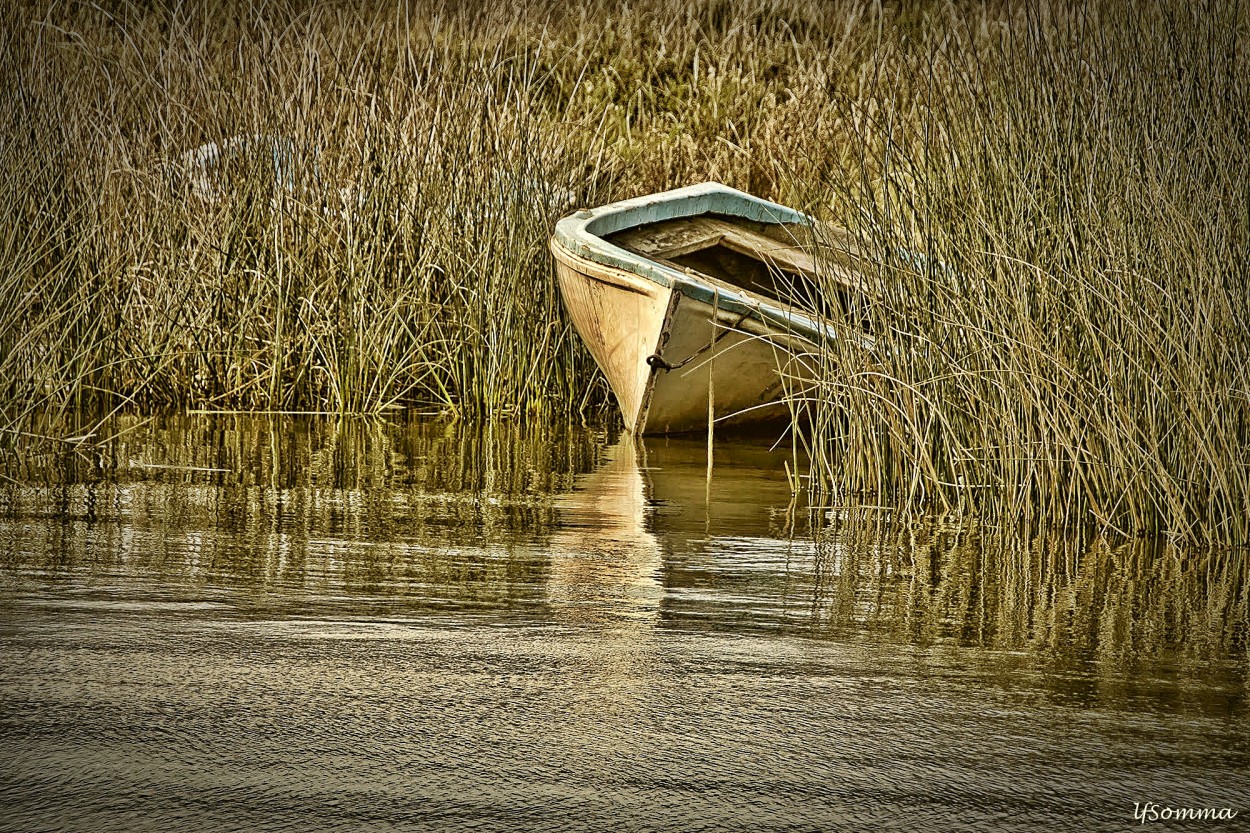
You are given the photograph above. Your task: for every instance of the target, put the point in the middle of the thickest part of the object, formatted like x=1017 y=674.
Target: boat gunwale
x=582 y=236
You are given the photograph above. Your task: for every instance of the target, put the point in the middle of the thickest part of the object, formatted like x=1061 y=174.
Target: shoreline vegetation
x=400 y=506
x=341 y=208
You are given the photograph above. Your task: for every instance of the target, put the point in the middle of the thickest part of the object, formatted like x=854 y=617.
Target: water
x=278 y=624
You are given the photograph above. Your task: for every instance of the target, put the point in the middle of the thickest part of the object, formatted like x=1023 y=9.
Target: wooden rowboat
x=685 y=299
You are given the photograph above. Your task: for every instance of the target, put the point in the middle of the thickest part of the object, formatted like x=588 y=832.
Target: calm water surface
x=280 y=624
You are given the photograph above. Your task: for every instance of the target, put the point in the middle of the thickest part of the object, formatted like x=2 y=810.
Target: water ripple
x=616 y=655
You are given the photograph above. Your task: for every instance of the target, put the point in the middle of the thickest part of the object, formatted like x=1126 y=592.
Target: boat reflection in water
x=605 y=561
x=639 y=551
x=648 y=535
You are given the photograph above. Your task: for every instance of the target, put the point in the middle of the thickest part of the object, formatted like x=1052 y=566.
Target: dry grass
x=322 y=207
x=1069 y=349
x=369 y=232
x=1056 y=209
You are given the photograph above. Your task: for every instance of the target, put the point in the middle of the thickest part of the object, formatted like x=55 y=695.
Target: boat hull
x=720 y=362
x=668 y=354
x=675 y=295
x=619 y=317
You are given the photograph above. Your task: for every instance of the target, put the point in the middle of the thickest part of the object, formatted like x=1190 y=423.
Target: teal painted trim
x=583 y=234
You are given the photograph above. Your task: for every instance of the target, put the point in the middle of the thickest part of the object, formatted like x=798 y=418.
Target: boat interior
x=771 y=260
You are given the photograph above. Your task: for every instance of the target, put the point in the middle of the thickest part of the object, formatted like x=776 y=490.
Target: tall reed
x=327 y=207
x=1053 y=202
x=295 y=209
x=1053 y=210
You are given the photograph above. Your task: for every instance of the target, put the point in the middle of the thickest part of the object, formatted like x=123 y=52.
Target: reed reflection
x=309 y=512
x=1117 y=609
x=756 y=558
x=303 y=516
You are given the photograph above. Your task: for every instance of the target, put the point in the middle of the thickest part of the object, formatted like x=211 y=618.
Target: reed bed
x=1052 y=209
x=334 y=207
x=343 y=207
x=279 y=208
